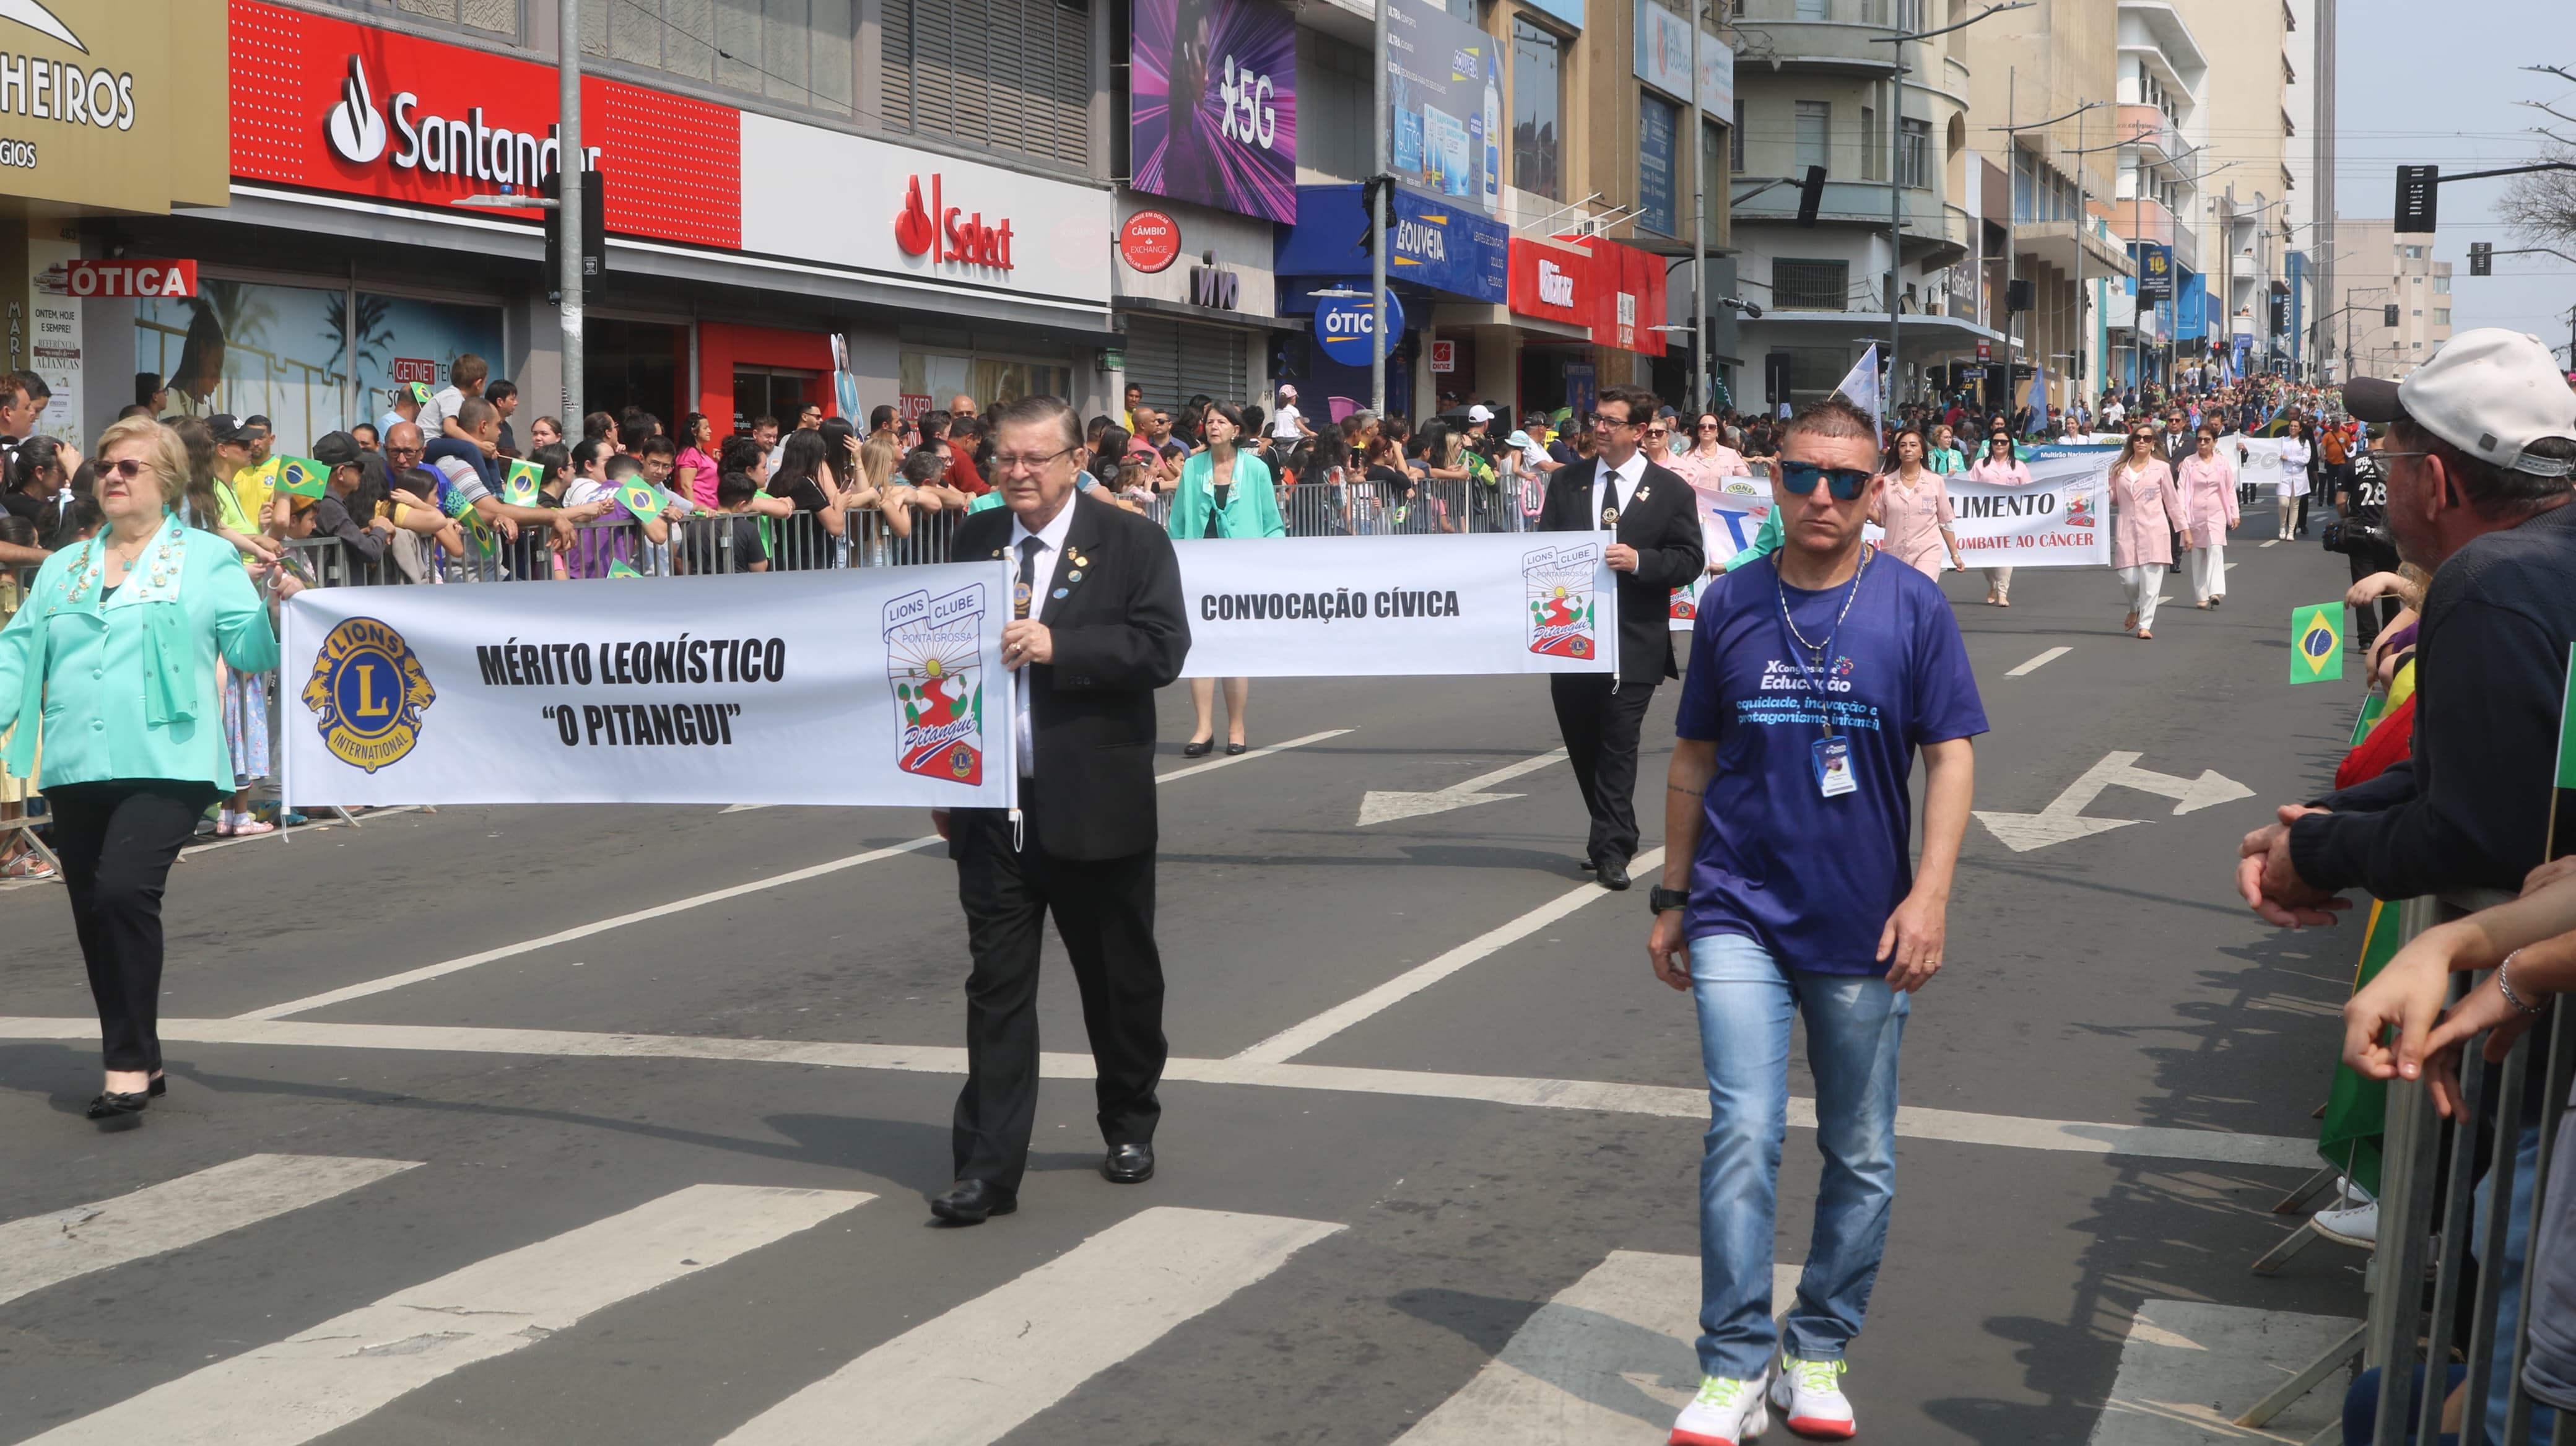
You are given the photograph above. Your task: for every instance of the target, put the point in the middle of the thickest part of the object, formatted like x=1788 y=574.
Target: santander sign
x=948 y=233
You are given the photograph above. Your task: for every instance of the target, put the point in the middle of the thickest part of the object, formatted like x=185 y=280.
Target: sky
x=2436 y=85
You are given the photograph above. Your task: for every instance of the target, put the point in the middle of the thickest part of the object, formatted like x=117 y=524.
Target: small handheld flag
x=519 y=488
x=619 y=569
x=2316 y=643
x=640 y=498
x=2562 y=801
x=1859 y=386
x=302 y=477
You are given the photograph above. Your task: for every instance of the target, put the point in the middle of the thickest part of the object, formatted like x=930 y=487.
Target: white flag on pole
x=1860 y=385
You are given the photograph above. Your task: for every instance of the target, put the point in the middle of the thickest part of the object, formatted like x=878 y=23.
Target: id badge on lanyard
x=1833 y=766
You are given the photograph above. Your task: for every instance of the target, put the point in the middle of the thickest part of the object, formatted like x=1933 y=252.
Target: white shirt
x=1626 y=475
x=1285 y=424
x=437 y=410
x=1041 y=586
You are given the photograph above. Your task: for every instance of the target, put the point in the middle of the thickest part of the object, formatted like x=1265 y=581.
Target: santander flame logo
x=912 y=229
x=355 y=129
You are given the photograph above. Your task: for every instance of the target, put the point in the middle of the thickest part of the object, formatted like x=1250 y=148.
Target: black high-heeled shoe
x=111 y=1105
x=158 y=1087
x=1200 y=749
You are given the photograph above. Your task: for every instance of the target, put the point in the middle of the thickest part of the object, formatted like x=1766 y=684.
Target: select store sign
x=1611 y=290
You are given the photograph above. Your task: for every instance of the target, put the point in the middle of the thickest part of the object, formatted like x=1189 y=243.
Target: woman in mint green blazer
x=1223 y=492
x=112 y=660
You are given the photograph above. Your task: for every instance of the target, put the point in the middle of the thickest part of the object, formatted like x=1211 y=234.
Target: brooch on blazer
x=1642 y=494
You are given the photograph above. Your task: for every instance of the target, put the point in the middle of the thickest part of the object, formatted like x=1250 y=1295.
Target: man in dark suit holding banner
x=1653 y=546
x=1098 y=625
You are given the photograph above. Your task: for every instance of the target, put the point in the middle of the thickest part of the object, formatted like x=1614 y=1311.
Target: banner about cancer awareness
x=1729 y=518
x=665 y=690
x=1322 y=607
x=2062 y=519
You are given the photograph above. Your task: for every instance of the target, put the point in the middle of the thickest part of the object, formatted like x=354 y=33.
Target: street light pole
x=1699 y=235
x=568 y=213
x=1377 y=308
x=1895 y=191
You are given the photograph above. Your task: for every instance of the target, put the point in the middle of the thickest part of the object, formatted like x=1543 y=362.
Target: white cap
x=1287 y=393
x=1520 y=440
x=2490 y=392
x=1480 y=413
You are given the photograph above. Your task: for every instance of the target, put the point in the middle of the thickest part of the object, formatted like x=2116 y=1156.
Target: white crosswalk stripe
x=973 y=1374
x=1608 y=1362
x=341 y=1370
x=46 y=1250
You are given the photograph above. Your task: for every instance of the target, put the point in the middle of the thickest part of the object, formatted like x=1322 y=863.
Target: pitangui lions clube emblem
x=369 y=689
x=1559 y=584
x=934 y=663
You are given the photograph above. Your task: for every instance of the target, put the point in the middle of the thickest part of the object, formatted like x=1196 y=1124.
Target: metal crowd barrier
x=698 y=545
x=2425 y=1268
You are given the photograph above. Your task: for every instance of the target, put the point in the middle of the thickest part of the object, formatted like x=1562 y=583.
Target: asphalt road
x=662 y=1182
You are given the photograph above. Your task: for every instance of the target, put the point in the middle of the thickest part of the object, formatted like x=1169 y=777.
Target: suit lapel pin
x=1059 y=592
x=1642 y=494
x=1074 y=576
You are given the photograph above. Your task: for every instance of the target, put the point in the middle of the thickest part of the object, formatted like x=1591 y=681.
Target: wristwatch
x=1660 y=898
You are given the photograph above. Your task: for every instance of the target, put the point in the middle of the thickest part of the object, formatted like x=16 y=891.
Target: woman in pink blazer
x=2147 y=514
x=2207 y=485
x=2002 y=469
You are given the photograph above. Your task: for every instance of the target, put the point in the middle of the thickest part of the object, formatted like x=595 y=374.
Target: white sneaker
x=2353 y=1225
x=1727 y=1412
x=1811 y=1399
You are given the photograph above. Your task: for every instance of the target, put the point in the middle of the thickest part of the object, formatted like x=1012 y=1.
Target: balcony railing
x=2151 y=129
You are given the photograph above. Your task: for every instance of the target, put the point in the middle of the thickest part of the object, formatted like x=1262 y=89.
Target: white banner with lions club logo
x=1328 y=607
x=844 y=687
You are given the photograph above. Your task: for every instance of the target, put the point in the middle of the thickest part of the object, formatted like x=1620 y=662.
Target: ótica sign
x=1344 y=324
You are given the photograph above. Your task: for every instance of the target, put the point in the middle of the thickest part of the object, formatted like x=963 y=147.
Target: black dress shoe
x=1128 y=1164
x=1236 y=750
x=969 y=1202
x=158 y=1088
x=1200 y=749
x=114 y=1106
x=1613 y=873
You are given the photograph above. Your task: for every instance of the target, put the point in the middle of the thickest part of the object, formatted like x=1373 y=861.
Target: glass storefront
x=310 y=359
x=929 y=373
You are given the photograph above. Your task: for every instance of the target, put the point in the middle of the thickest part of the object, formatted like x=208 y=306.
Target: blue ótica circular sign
x=1344 y=324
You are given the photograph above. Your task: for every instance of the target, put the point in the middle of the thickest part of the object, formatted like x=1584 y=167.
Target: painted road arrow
x=1376 y=807
x=2062 y=820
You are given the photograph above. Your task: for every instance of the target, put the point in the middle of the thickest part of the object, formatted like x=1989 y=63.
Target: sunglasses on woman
x=1844 y=482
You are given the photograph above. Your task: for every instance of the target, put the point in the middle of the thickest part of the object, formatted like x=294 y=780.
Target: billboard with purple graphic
x=1212 y=112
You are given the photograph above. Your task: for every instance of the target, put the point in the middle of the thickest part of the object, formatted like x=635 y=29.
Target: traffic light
x=2482 y=258
x=2419 y=190
x=2388 y=316
x=2280 y=314
x=1811 y=195
x=1369 y=190
x=594 y=231
x=2017 y=294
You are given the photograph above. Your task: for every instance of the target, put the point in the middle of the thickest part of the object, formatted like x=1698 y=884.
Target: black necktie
x=1610 y=501
x=1030 y=547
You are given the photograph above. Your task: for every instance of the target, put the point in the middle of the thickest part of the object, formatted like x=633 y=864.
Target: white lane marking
x=342 y=995
x=742 y=808
x=972 y=1375
x=1384 y=807
x=44 y=1250
x=2275 y=542
x=1668 y=1101
x=321 y=1379
x=2035 y=664
x=1262 y=752
x=1295 y=1040
x=2062 y=820
x=2188 y=1369
x=579 y=931
x=1612 y=1354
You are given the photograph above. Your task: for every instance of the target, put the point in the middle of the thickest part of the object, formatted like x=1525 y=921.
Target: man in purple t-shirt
x=1815 y=675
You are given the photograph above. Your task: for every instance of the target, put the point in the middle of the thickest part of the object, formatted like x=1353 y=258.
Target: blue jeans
x=1854 y=1025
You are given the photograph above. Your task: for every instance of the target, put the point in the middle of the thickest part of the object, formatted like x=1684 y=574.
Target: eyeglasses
x=1659 y=431
x=1006 y=462
x=1844 y=482
x=1708 y=426
x=125 y=467
x=1599 y=421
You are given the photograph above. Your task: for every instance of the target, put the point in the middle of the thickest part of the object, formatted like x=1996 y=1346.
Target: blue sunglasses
x=1845 y=482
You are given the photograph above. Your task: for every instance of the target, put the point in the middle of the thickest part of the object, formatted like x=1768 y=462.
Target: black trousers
x=1599 y=718
x=117 y=841
x=1104 y=912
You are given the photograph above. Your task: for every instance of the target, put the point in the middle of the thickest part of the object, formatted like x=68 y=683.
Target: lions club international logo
x=1559 y=583
x=934 y=661
x=369 y=689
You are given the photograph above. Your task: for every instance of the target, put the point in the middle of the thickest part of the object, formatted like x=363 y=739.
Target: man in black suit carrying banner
x=1098 y=626
x=1654 y=547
